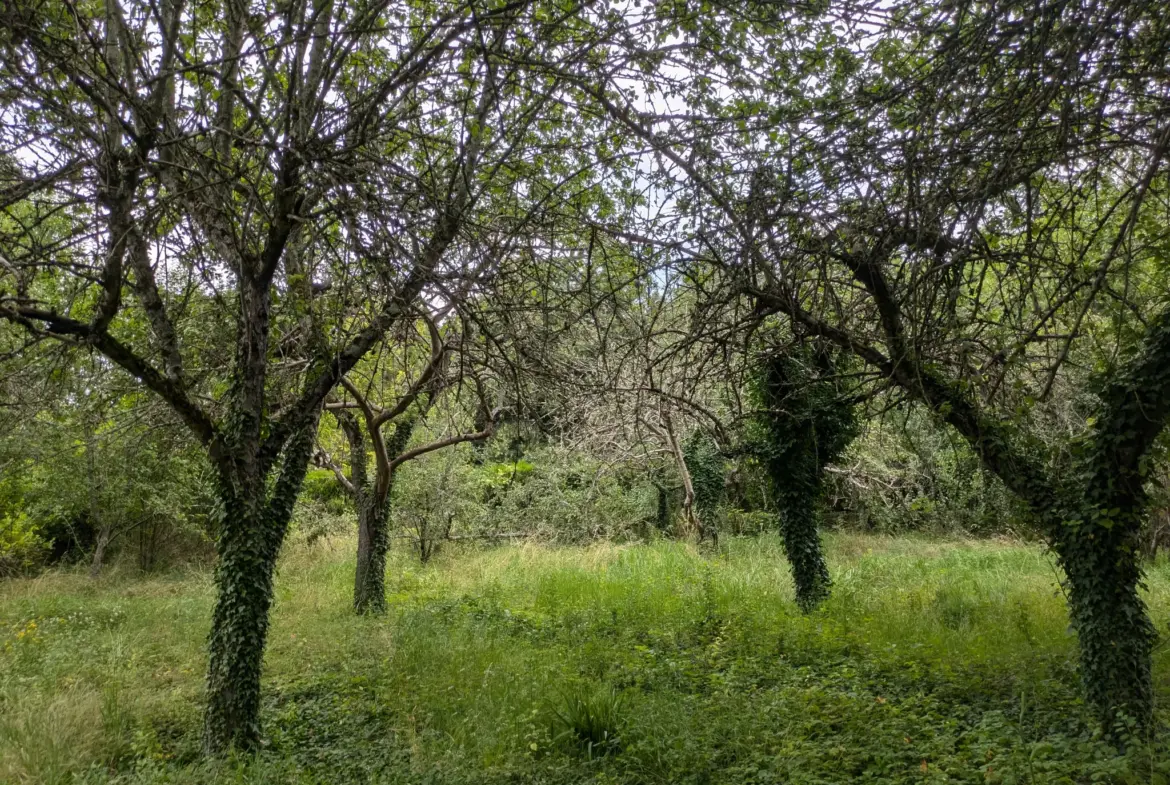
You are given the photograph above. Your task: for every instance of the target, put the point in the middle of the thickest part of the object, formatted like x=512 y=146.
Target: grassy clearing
x=933 y=662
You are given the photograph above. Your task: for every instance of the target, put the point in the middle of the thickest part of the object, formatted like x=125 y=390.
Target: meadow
x=934 y=661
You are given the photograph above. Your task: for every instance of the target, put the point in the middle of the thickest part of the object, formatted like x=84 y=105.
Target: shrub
x=551 y=494
x=708 y=476
x=750 y=522
x=22 y=548
x=321 y=488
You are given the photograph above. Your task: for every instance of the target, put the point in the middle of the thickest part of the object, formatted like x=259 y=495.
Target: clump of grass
x=589 y=723
x=956 y=609
x=49 y=738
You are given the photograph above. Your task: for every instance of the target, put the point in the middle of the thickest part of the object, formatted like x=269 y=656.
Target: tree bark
x=1092 y=516
x=372 y=499
x=371 y=502
x=690 y=515
x=369 y=589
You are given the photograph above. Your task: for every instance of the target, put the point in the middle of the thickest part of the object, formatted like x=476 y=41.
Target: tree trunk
x=369 y=590
x=248 y=547
x=1092 y=517
x=802 y=547
x=250 y=537
x=690 y=514
x=371 y=503
x=662 y=512
x=1114 y=629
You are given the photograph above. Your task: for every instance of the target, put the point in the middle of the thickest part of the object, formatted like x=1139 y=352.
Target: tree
x=270 y=187
x=804 y=421
x=92 y=465
x=371 y=496
x=969 y=199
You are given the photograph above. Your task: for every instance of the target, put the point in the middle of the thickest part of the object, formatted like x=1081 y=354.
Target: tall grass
x=934 y=661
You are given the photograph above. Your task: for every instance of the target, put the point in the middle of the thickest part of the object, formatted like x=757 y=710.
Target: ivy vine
x=804 y=421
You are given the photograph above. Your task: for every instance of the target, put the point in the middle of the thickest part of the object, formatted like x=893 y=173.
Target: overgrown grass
x=933 y=662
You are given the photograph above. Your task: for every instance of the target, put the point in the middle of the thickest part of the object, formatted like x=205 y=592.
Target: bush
x=550 y=493
x=22 y=548
x=751 y=522
x=708 y=475
x=321 y=488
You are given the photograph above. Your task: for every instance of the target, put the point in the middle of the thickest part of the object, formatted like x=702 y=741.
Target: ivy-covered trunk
x=369 y=590
x=255 y=521
x=1096 y=533
x=802 y=547
x=248 y=546
x=805 y=422
x=1110 y=618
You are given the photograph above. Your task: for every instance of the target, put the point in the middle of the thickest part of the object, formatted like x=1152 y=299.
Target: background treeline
x=86 y=464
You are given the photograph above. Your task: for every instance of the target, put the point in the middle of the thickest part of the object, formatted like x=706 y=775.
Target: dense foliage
x=803 y=423
x=706 y=465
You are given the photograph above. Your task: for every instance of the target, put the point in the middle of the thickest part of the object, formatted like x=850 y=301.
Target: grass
x=934 y=661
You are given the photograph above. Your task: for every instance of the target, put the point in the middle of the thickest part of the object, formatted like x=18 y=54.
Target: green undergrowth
x=934 y=661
